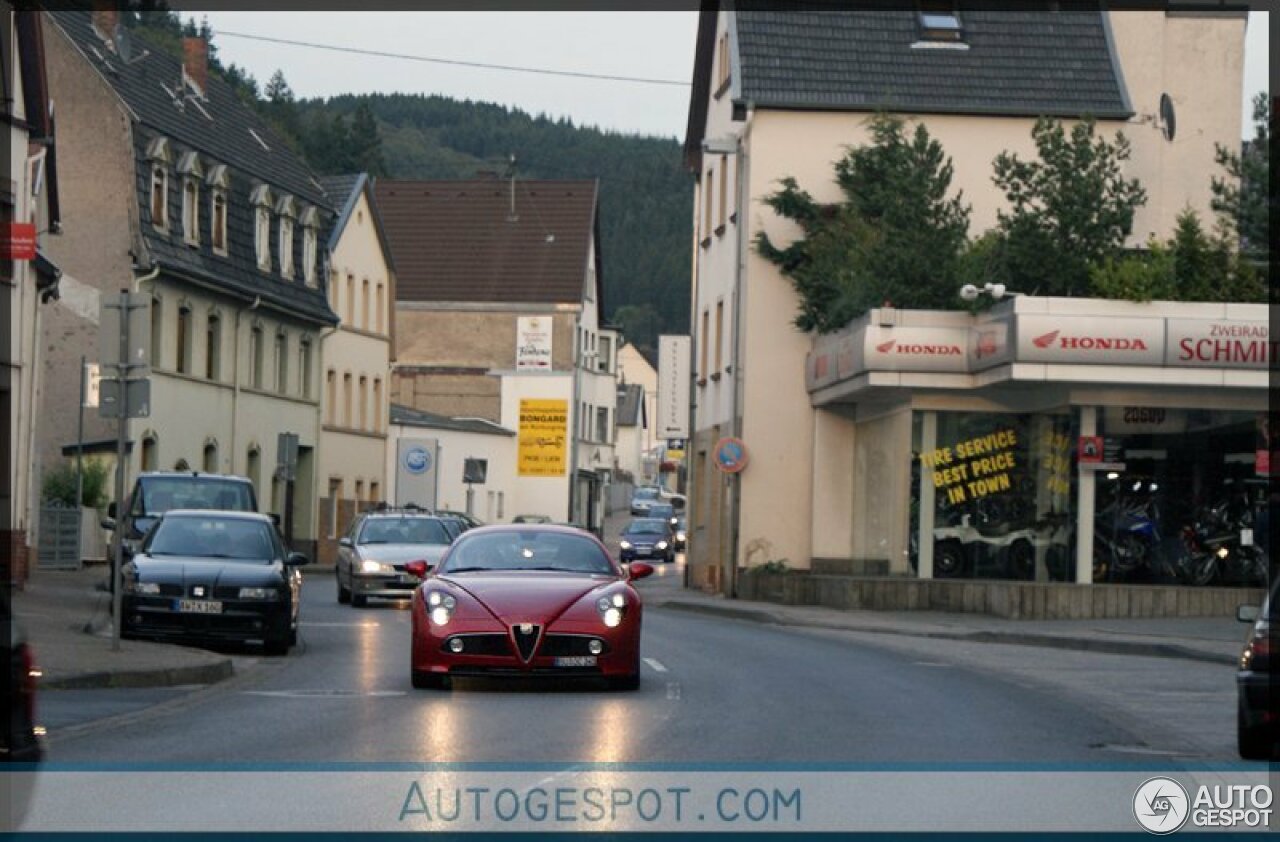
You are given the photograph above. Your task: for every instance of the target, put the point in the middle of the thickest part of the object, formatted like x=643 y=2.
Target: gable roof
x=223 y=131
x=344 y=191
x=459 y=241
x=411 y=417
x=631 y=405
x=1028 y=61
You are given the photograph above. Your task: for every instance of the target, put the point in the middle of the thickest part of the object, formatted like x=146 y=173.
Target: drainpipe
x=235 y=380
x=742 y=208
x=576 y=421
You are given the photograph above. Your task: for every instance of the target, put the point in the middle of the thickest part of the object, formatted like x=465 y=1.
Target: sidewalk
x=65 y=617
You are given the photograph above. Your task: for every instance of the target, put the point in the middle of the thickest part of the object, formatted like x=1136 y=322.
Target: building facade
x=759 y=113
x=356 y=361
x=184 y=196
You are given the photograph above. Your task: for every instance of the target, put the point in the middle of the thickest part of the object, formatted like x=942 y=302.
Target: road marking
x=324 y=694
x=655 y=664
x=928 y=664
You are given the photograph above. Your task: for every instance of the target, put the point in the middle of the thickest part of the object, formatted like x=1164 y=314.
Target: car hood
x=400 y=553
x=528 y=596
x=184 y=571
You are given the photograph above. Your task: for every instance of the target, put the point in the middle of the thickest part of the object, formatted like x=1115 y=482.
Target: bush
x=60 y=484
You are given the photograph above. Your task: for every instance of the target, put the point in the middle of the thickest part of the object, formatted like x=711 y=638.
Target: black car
x=1257 y=724
x=214 y=577
x=21 y=733
x=155 y=493
x=647 y=537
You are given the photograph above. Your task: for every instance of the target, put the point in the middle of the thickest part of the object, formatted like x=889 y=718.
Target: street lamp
x=969 y=292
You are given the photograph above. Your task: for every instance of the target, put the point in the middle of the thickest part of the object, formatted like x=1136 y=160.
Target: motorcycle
x=1126 y=539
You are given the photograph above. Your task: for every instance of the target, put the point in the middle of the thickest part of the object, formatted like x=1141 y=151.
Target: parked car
x=470 y=521
x=642 y=498
x=527 y=600
x=21 y=737
x=647 y=537
x=1257 y=722
x=531 y=519
x=155 y=493
x=373 y=553
x=214 y=577
x=682 y=534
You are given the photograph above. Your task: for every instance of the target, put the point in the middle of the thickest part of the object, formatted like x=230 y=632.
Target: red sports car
x=525 y=600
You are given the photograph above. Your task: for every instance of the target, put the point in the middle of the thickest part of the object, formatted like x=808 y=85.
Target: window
x=346 y=399
x=331 y=396
x=184 y=340
x=255 y=357
x=722 y=65
x=335 y=494
x=359 y=492
x=157 y=333
x=706 y=204
x=150 y=456
x=350 y=315
x=310 y=221
x=602 y=424
x=262 y=237
x=375 y=491
x=724 y=192
x=191 y=211
x=364 y=304
x=304 y=367
x=606 y=354
x=719 y=334
x=364 y=402
x=219 y=224
x=253 y=468
x=159 y=197
x=377 y=301
x=377 y=404
x=286 y=246
x=939 y=21
x=213 y=348
x=702 y=355
x=211 y=457
x=282 y=363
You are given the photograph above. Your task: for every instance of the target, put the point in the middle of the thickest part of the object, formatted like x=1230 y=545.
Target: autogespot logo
x=1161 y=805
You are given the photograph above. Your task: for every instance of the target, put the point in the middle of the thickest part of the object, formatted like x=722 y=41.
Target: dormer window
x=218 y=182
x=190 y=169
x=939 y=21
x=159 y=197
x=310 y=221
x=260 y=199
x=287 y=209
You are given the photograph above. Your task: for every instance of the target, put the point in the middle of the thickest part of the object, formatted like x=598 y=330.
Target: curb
x=174 y=676
x=1047 y=641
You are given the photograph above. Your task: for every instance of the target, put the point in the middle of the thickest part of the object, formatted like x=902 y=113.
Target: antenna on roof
x=511 y=173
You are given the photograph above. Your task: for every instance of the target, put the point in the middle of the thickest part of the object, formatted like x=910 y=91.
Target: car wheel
x=1253 y=743
x=344 y=594
x=359 y=600
x=625 y=682
x=426 y=680
x=948 y=560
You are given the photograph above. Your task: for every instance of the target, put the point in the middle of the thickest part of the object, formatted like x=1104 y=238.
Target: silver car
x=373 y=554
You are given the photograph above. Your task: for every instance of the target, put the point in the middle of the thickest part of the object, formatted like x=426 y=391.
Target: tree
x=896 y=238
x=1071 y=209
x=366 y=142
x=1241 y=200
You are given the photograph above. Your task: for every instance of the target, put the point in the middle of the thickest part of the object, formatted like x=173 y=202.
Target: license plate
x=576 y=661
x=197 y=606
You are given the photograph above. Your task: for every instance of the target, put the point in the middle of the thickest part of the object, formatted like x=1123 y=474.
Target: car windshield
x=404 y=530
x=527 y=550
x=648 y=526
x=213 y=537
x=162 y=494
x=662 y=510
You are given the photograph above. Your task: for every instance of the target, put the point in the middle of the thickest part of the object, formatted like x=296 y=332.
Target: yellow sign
x=974 y=468
x=544 y=429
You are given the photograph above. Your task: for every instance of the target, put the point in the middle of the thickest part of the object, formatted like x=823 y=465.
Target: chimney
x=195 y=62
x=106 y=17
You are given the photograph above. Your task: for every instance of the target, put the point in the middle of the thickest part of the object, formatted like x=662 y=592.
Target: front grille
x=480 y=644
x=561 y=645
x=526 y=641
x=171 y=590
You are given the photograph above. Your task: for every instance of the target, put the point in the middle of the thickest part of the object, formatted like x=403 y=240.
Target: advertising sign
x=416 y=474
x=917 y=348
x=1088 y=339
x=533 y=343
x=674 y=372
x=1220 y=343
x=18 y=241
x=544 y=431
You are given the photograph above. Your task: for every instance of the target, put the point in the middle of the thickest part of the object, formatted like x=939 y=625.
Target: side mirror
x=418 y=568
x=638 y=570
x=108 y=523
x=296 y=560
x=275 y=518
x=1247 y=613
x=111 y=511
x=344 y=541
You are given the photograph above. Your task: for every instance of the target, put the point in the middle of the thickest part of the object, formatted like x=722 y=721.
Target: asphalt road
x=713 y=689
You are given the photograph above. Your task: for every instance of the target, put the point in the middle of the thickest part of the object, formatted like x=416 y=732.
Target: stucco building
x=179 y=192
x=499 y=307
x=782 y=93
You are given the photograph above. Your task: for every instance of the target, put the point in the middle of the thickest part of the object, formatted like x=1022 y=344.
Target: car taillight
x=1257 y=655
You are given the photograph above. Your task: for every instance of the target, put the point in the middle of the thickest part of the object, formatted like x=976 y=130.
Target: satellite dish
x=1168 y=120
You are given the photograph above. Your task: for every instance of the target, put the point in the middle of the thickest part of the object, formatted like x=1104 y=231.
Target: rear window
x=161 y=494
x=404 y=530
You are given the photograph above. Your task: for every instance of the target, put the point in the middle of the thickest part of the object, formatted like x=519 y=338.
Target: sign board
x=18 y=241
x=134 y=402
x=416 y=472
x=1089 y=449
x=1090 y=340
x=1219 y=343
x=674 y=379
x=533 y=343
x=542 y=437
x=730 y=455
x=1130 y=420
x=917 y=348
x=287 y=456
x=139 y=351
x=92 y=385
x=475 y=471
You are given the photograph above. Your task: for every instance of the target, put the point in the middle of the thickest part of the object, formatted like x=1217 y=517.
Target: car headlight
x=626 y=545
x=680 y=536
x=611 y=609
x=371 y=566
x=142 y=587
x=662 y=545
x=269 y=594
x=440 y=606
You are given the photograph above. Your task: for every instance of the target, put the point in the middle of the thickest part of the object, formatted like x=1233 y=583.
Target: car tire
x=344 y=594
x=359 y=600
x=626 y=683
x=426 y=680
x=948 y=560
x=1253 y=743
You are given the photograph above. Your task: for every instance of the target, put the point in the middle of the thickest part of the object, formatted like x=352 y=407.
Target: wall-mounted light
x=969 y=292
